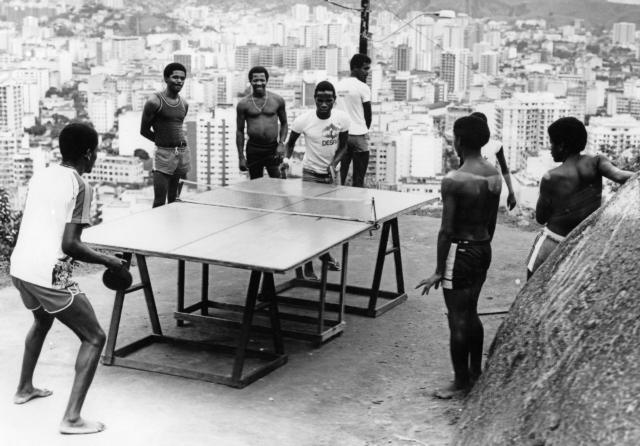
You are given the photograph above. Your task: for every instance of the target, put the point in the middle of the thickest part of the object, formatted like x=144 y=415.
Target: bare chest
x=258 y=107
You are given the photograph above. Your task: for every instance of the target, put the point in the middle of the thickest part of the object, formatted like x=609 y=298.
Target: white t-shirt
x=351 y=93
x=57 y=196
x=490 y=150
x=321 y=137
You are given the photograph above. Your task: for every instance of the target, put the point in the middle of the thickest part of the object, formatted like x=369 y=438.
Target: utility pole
x=364 y=27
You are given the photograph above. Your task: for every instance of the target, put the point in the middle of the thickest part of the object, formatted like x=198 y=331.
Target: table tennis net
x=337 y=208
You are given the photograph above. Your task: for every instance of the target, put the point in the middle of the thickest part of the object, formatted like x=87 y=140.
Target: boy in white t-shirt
x=354 y=98
x=326 y=133
x=57 y=209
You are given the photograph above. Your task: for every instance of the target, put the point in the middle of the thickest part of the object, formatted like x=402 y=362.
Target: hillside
x=595 y=12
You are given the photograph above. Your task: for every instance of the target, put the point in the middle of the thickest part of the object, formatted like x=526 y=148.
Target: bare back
x=575 y=192
x=261 y=117
x=476 y=187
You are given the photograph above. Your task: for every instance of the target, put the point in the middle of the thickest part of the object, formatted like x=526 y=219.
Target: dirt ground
x=369 y=387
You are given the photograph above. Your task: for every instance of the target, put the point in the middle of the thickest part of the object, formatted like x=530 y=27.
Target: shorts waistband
x=257 y=145
x=470 y=242
x=185 y=147
x=552 y=235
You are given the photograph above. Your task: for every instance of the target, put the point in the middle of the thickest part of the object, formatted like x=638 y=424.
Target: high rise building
x=102 y=111
x=522 y=122
x=452 y=36
x=189 y=59
x=326 y=58
x=247 y=56
x=421 y=42
x=216 y=158
x=402 y=58
x=297 y=58
x=300 y=12
x=272 y=56
x=311 y=36
x=617 y=133
x=128 y=48
x=489 y=63
x=455 y=69
x=334 y=34
x=9 y=146
x=624 y=33
x=130 y=137
x=11 y=111
x=402 y=89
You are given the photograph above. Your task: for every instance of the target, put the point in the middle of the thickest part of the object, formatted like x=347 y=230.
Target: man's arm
x=342 y=148
x=445 y=235
x=284 y=125
x=368 y=115
x=608 y=170
x=151 y=107
x=73 y=246
x=543 y=207
x=491 y=229
x=291 y=143
x=504 y=169
x=240 y=120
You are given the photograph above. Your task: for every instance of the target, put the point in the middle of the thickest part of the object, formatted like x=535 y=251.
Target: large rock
x=564 y=367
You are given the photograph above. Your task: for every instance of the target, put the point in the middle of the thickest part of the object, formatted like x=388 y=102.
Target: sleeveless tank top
x=167 y=123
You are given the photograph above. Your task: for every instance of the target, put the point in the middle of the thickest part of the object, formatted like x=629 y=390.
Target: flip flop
x=334 y=265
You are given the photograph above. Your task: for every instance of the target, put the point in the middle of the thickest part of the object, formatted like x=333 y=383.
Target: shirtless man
x=57 y=209
x=572 y=191
x=470 y=197
x=261 y=111
x=162 y=120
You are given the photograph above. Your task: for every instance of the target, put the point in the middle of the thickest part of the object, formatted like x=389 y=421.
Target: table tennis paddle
x=117 y=280
x=334 y=175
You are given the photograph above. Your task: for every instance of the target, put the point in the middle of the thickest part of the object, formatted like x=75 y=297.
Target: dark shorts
x=36 y=296
x=467 y=264
x=172 y=160
x=260 y=157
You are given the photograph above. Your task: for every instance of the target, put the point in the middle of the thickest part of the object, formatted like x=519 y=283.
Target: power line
x=342 y=6
x=406 y=24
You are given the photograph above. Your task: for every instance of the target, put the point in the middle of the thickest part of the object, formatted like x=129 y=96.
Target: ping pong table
x=266 y=241
x=388 y=206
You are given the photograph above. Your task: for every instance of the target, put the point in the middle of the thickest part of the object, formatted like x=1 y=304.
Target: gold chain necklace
x=266 y=97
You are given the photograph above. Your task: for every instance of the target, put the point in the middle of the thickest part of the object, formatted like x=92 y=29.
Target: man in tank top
x=162 y=120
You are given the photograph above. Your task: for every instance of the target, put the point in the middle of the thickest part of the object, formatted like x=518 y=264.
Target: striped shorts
x=542 y=248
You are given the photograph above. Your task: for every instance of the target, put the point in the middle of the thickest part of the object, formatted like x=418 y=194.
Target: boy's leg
x=458 y=308
x=32 y=348
x=81 y=319
x=476 y=337
x=160 y=188
x=360 y=166
x=173 y=187
x=345 y=162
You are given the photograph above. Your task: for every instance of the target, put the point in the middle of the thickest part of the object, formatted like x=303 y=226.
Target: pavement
x=371 y=386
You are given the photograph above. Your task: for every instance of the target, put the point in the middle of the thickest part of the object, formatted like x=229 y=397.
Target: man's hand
x=431 y=281
x=114 y=263
x=331 y=170
x=242 y=164
x=511 y=201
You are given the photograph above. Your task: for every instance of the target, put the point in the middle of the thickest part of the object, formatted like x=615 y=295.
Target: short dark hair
x=76 y=139
x=569 y=132
x=256 y=70
x=325 y=86
x=472 y=131
x=479 y=115
x=358 y=60
x=174 y=66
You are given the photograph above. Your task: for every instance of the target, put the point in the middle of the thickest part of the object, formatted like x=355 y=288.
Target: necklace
x=266 y=98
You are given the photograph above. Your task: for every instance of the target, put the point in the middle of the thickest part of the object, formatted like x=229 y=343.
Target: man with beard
x=162 y=120
x=261 y=111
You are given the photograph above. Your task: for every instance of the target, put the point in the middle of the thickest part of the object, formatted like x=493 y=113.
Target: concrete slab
x=366 y=388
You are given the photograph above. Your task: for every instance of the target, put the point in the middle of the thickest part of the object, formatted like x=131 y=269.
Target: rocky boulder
x=564 y=367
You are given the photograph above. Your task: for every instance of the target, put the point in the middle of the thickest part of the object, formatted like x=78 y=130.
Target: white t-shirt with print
x=321 y=137
x=351 y=93
x=57 y=196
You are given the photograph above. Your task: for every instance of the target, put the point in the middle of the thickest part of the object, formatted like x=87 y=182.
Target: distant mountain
x=594 y=12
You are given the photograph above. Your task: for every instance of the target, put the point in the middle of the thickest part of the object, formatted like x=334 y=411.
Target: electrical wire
x=431 y=14
x=342 y=6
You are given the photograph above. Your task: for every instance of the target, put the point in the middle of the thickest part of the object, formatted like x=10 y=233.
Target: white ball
x=517 y=281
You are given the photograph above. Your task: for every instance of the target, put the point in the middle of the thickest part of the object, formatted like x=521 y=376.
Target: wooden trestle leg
x=247 y=320
x=107 y=358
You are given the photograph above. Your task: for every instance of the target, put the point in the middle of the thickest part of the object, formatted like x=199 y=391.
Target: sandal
x=334 y=265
